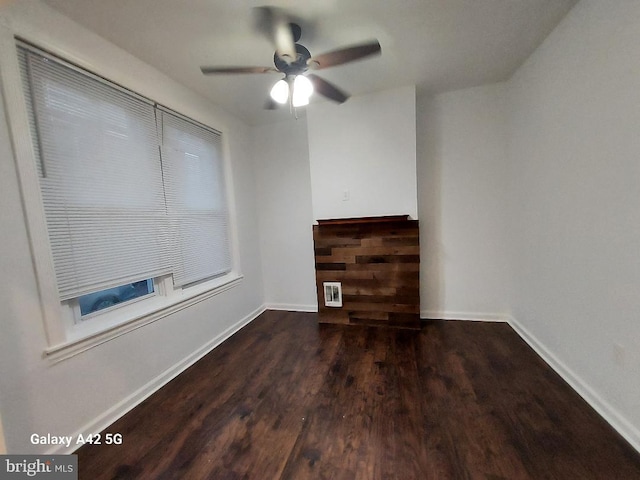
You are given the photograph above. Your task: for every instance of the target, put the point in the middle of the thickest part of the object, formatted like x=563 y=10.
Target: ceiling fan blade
x=274 y=23
x=344 y=55
x=234 y=70
x=327 y=89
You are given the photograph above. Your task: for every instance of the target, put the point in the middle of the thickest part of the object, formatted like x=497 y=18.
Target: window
x=97 y=301
x=100 y=178
x=133 y=193
x=197 y=213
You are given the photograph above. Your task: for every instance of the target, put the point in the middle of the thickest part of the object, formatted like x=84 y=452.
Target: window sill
x=156 y=309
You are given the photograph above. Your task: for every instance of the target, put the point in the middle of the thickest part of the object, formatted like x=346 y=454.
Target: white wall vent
x=332 y=294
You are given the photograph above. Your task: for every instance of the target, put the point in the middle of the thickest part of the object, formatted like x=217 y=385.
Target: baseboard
x=468 y=316
x=630 y=433
x=121 y=408
x=292 y=307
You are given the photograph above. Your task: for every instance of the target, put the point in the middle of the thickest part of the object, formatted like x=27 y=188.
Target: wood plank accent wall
x=377 y=260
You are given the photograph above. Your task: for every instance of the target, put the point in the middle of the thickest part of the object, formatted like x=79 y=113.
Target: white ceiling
x=437 y=45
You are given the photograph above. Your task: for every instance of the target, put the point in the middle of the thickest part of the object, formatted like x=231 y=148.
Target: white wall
x=368 y=143
x=283 y=192
x=462 y=186
x=529 y=195
x=88 y=391
x=378 y=169
x=575 y=148
x=366 y=146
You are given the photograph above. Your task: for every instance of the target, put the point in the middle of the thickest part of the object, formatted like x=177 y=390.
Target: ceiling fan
x=295 y=61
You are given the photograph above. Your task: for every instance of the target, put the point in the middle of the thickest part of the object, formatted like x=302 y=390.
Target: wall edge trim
x=466 y=316
x=292 y=307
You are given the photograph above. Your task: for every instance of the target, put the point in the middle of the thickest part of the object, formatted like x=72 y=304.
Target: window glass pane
x=96 y=301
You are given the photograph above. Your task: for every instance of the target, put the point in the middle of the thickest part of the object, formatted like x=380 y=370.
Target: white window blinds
x=100 y=178
x=116 y=211
x=195 y=193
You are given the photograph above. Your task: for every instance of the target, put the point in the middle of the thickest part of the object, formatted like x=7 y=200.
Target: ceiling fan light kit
x=294 y=60
x=298 y=91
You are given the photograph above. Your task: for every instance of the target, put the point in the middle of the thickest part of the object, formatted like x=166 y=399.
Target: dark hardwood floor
x=288 y=398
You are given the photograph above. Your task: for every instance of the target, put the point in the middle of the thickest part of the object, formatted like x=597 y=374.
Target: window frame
x=65 y=337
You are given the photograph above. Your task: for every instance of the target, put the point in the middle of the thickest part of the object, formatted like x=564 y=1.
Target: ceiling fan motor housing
x=296 y=67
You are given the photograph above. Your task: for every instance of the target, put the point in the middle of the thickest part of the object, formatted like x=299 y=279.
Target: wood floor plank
x=286 y=398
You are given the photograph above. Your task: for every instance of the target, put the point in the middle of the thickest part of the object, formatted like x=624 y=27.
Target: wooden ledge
x=359 y=220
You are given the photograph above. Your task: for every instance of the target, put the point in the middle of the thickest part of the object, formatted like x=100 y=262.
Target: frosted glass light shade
x=302 y=90
x=280 y=92
x=299 y=100
x=302 y=86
